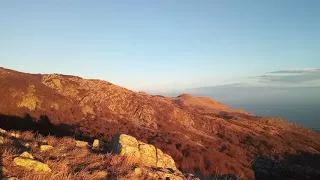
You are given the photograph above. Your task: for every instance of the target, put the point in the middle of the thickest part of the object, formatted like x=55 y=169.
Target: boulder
x=82 y=143
x=147 y=154
x=26 y=155
x=125 y=145
x=45 y=148
x=31 y=164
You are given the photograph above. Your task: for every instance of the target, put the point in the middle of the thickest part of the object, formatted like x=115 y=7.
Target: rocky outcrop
x=147 y=154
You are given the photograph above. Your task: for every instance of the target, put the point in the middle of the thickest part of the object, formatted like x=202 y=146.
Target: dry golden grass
x=27 y=136
x=121 y=166
x=65 y=160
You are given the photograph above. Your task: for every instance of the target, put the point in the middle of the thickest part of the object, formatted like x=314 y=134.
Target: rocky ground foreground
x=26 y=155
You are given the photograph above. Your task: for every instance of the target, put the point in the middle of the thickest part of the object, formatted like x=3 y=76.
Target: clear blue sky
x=167 y=44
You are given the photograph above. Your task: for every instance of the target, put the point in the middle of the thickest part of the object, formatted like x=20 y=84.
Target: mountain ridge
x=202 y=135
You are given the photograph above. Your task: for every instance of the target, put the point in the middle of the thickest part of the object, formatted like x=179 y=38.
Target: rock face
x=31 y=164
x=147 y=154
x=199 y=133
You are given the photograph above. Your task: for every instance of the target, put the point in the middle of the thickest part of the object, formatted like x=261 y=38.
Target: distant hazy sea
x=306 y=114
x=299 y=105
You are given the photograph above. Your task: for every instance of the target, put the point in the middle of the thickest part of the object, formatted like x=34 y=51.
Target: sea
x=297 y=105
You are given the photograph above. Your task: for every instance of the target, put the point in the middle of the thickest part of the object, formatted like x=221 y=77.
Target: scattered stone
x=45 y=148
x=14 y=134
x=82 y=143
x=3 y=131
x=31 y=164
x=1 y=140
x=44 y=141
x=26 y=155
x=97 y=144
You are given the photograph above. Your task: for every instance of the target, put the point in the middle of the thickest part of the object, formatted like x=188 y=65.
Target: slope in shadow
x=304 y=166
x=42 y=125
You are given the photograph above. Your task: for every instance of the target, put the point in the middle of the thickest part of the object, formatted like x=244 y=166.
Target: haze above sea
x=298 y=105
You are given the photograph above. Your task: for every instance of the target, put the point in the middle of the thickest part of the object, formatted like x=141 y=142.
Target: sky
x=168 y=44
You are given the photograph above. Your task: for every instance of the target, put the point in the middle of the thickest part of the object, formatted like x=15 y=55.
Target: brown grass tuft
x=121 y=166
x=27 y=135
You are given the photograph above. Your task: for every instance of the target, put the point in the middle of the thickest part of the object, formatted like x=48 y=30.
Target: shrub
x=248 y=140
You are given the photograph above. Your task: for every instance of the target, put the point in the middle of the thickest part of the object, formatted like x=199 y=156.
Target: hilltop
x=202 y=135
